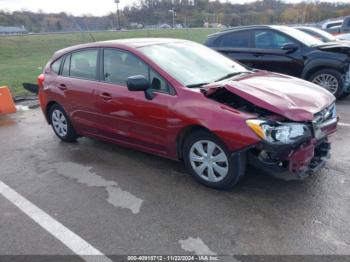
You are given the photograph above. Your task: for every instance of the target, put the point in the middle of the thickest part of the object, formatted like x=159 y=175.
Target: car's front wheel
x=329 y=79
x=61 y=124
x=210 y=163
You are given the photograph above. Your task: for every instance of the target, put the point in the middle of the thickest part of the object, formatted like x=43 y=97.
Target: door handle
x=106 y=96
x=258 y=54
x=62 y=87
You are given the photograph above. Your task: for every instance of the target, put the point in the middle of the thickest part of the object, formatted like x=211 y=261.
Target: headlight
x=278 y=132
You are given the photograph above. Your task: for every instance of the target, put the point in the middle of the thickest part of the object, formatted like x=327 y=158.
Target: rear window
x=236 y=39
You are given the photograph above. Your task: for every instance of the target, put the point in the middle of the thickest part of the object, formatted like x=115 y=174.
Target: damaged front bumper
x=296 y=161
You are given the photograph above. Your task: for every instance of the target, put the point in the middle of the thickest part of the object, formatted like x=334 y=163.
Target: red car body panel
x=300 y=159
x=156 y=126
x=129 y=119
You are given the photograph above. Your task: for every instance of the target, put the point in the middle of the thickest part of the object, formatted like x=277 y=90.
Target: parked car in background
x=289 y=51
x=181 y=100
x=333 y=23
x=343 y=37
x=336 y=28
x=323 y=35
x=318 y=33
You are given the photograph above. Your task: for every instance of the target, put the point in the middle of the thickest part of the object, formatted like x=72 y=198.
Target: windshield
x=190 y=63
x=304 y=38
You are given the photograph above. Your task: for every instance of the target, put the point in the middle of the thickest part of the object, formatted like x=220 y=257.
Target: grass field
x=23 y=57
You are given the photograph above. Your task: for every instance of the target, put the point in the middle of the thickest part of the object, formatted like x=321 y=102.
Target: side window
x=119 y=65
x=83 y=64
x=334 y=24
x=66 y=66
x=236 y=39
x=266 y=39
x=55 y=67
x=158 y=83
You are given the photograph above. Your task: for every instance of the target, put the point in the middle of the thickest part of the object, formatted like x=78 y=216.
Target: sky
x=79 y=7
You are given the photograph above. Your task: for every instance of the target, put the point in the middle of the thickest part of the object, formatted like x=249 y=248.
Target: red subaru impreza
x=181 y=100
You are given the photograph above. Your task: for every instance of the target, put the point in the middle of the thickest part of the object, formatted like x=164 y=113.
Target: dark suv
x=289 y=51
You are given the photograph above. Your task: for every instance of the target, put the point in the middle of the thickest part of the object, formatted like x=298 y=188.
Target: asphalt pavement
x=94 y=198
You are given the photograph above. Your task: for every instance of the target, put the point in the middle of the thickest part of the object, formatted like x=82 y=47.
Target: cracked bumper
x=296 y=161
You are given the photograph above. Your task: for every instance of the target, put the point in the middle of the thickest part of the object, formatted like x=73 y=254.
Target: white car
x=330 y=24
x=343 y=37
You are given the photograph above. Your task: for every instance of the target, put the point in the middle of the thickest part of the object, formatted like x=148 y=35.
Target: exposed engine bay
x=292 y=161
x=230 y=99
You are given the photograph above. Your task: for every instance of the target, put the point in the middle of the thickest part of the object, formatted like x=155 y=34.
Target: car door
x=78 y=82
x=237 y=46
x=270 y=54
x=128 y=117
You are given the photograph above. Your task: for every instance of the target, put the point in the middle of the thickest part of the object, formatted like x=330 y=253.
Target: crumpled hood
x=293 y=98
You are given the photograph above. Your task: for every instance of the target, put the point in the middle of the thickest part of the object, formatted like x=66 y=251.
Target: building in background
x=12 y=30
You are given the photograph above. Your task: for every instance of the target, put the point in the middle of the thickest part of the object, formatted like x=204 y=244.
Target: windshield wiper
x=230 y=75
x=221 y=78
x=197 y=85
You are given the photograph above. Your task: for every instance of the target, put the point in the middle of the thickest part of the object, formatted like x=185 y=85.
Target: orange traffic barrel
x=6 y=102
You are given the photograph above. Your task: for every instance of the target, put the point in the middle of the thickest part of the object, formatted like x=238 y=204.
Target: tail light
x=40 y=80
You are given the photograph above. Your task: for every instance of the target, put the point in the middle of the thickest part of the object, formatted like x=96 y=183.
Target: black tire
x=236 y=162
x=336 y=74
x=70 y=134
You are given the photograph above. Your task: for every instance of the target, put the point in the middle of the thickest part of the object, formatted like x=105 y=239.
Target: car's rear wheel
x=209 y=161
x=61 y=124
x=329 y=79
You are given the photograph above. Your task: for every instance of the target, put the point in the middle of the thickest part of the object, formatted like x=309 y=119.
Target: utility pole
x=174 y=14
x=118 y=16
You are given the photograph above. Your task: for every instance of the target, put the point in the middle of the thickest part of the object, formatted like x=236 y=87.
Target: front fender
x=226 y=123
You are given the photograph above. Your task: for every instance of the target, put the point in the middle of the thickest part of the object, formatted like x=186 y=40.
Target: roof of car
x=238 y=28
x=130 y=42
x=139 y=42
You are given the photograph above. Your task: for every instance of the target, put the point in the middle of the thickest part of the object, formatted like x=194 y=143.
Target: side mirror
x=290 y=47
x=140 y=83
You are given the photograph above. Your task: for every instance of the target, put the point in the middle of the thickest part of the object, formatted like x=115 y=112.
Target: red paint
x=155 y=126
x=300 y=159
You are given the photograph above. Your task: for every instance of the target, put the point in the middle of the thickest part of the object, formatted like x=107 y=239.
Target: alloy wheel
x=327 y=81
x=59 y=123
x=209 y=161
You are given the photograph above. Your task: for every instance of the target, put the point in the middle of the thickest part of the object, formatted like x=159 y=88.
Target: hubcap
x=209 y=161
x=59 y=123
x=327 y=81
